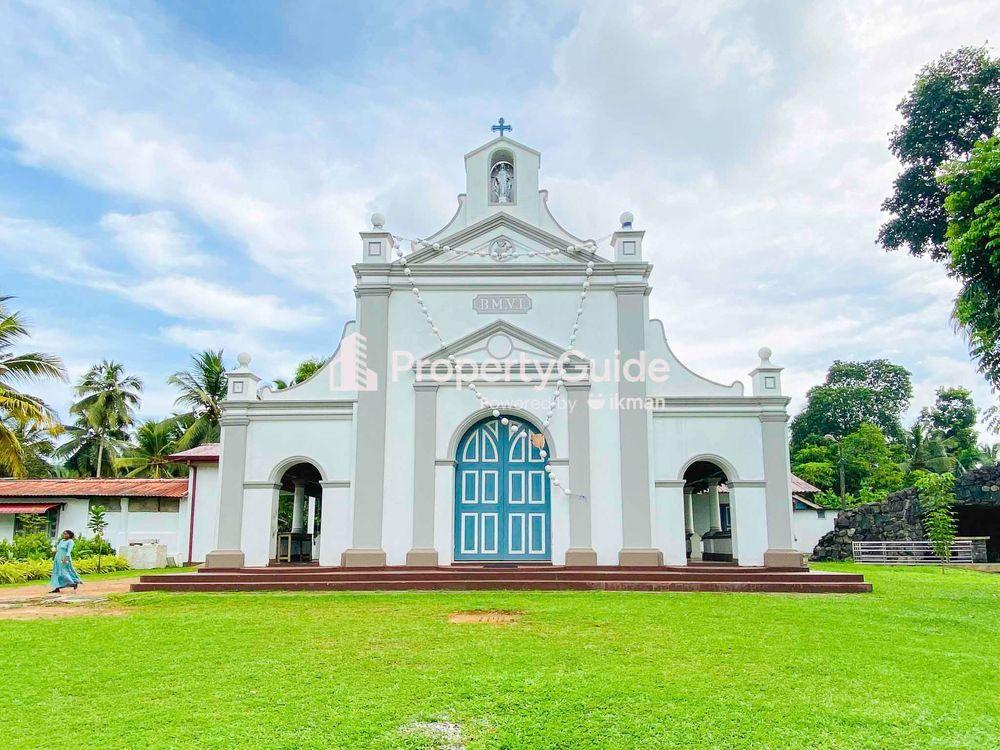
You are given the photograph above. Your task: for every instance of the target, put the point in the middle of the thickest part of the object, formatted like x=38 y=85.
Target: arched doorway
x=708 y=512
x=502 y=493
x=299 y=509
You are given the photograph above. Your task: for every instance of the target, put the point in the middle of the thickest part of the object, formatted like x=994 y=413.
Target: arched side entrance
x=298 y=510
x=502 y=493
x=708 y=511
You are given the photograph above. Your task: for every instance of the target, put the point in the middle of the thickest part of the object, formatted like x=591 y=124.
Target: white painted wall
x=808 y=527
x=123 y=526
x=6 y=527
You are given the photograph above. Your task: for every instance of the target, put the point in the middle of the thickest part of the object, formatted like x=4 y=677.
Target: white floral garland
x=589 y=247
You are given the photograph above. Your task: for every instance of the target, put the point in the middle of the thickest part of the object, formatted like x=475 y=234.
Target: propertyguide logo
x=349 y=371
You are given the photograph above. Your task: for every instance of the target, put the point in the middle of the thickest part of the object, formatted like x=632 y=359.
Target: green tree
x=16 y=407
x=97 y=523
x=93 y=443
x=875 y=391
x=306 y=369
x=936 y=498
x=926 y=451
x=953 y=104
x=953 y=420
x=990 y=454
x=973 y=206
x=202 y=391
x=150 y=454
x=37 y=444
x=107 y=388
x=871 y=466
x=108 y=398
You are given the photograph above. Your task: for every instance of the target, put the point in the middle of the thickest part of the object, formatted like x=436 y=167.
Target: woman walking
x=63 y=572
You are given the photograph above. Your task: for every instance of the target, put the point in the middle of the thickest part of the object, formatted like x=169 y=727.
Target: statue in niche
x=502 y=183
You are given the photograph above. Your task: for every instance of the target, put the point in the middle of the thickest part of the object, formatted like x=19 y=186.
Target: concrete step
x=200 y=584
x=352 y=574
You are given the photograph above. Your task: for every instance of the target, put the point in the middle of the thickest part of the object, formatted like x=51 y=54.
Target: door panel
x=502 y=494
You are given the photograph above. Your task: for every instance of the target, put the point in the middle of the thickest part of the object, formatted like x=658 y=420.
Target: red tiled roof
x=204 y=452
x=10 y=509
x=801 y=486
x=93 y=487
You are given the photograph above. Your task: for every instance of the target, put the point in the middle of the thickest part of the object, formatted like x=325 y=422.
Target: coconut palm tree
x=927 y=450
x=990 y=453
x=107 y=388
x=108 y=400
x=95 y=441
x=37 y=446
x=16 y=407
x=203 y=389
x=149 y=456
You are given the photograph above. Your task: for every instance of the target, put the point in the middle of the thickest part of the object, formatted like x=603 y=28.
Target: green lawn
x=914 y=664
x=106 y=576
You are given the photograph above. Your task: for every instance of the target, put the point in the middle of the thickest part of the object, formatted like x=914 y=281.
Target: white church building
x=502 y=395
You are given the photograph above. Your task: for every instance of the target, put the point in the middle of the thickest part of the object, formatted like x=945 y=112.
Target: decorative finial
x=765 y=356
x=378 y=221
x=244 y=359
x=500 y=127
x=626 y=219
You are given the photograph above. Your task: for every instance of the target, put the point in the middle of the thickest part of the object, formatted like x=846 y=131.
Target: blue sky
x=177 y=176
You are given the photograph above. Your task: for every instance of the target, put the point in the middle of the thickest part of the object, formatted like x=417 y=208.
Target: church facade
x=503 y=395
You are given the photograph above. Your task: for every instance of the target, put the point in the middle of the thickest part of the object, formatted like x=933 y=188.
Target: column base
x=225 y=558
x=784 y=558
x=363 y=558
x=581 y=557
x=696 y=547
x=649 y=558
x=422 y=558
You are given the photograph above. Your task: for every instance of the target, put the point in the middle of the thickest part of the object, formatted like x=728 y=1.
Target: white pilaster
x=668 y=522
x=260 y=523
x=338 y=522
x=749 y=522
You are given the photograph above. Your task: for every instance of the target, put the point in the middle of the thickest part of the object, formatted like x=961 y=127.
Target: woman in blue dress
x=63 y=572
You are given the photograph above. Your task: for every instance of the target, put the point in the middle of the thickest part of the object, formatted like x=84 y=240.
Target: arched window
x=502 y=181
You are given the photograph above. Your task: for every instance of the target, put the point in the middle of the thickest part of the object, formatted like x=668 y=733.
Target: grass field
x=913 y=665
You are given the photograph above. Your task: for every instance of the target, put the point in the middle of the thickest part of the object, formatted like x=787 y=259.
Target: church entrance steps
x=547 y=578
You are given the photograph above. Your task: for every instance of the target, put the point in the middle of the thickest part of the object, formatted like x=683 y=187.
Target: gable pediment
x=506 y=347
x=473 y=244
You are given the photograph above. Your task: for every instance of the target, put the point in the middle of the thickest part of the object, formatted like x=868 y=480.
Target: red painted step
x=707 y=577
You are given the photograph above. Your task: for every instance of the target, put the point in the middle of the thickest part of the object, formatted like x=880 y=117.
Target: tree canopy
x=973 y=208
x=854 y=393
x=954 y=104
x=21 y=413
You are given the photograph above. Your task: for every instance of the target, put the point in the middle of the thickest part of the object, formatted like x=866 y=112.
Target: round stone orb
x=764 y=353
x=378 y=221
x=243 y=358
x=626 y=219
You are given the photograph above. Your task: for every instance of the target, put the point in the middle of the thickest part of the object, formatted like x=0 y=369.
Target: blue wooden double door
x=502 y=494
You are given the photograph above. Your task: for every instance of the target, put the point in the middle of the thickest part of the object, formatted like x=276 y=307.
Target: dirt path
x=34 y=602
x=113 y=586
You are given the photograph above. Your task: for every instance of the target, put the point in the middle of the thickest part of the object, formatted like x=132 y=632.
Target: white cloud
x=749 y=139
x=153 y=241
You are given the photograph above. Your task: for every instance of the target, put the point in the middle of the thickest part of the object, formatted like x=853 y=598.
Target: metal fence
x=909 y=553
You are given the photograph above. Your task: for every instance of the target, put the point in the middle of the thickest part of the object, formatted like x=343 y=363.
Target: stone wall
x=897 y=518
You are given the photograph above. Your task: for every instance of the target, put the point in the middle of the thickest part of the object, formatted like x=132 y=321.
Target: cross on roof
x=500 y=127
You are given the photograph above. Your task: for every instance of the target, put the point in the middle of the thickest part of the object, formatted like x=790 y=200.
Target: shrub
x=85 y=547
x=40 y=547
x=21 y=571
x=27 y=547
